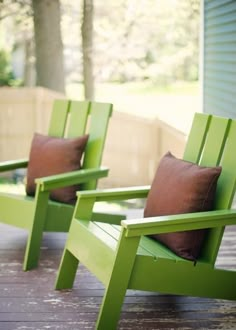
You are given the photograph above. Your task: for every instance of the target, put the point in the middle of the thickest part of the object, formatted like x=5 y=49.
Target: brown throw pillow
x=182 y=187
x=53 y=155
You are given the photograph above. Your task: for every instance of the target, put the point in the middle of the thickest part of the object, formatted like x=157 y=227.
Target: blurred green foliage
x=144 y=40
x=6 y=75
x=147 y=40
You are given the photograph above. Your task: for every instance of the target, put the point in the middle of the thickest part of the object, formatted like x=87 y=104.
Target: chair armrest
x=70 y=178
x=179 y=222
x=115 y=194
x=87 y=199
x=13 y=164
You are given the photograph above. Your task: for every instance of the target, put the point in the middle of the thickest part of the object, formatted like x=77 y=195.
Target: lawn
x=174 y=104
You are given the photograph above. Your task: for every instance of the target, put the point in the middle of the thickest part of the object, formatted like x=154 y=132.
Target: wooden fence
x=132 y=151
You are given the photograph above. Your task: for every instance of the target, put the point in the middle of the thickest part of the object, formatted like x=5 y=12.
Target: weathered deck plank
x=28 y=300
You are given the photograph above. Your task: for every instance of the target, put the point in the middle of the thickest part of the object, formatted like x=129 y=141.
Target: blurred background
x=142 y=56
x=133 y=53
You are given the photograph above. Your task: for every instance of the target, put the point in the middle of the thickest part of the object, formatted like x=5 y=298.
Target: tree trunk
x=87 y=45
x=48 y=44
x=29 y=69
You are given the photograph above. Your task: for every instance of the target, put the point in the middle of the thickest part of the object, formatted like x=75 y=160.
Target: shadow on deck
x=28 y=299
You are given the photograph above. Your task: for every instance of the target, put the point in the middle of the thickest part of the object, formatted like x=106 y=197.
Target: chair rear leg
x=32 y=252
x=67 y=271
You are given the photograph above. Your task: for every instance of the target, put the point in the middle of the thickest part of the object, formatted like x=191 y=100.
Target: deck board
x=28 y=299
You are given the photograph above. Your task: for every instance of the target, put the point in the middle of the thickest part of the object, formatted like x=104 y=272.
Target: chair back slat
x=196 y=138
x=224 y=195
x=58 y=120
x=75 y=118
x=98 y=125
x=214 y=142
x=78 y=117
x=227 y=180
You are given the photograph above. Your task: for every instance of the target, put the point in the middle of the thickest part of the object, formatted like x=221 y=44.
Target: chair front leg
x=118 y=283
x=36 y=232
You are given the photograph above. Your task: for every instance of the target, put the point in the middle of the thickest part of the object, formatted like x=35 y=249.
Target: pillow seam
x=209 y=189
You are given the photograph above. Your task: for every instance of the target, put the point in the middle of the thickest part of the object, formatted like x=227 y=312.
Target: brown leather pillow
x=53 y=155
x=182 y=187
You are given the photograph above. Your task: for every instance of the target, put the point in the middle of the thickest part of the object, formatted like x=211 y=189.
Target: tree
x=120 y=40
x=48 y=44
x=87 y=48
x=134 y=42
x=16 y=27
x=6 y=75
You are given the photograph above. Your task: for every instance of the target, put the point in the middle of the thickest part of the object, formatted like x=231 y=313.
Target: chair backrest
x=212 y=142
x=75 y=118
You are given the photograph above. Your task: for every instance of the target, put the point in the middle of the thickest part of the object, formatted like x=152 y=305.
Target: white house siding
x=219 y=57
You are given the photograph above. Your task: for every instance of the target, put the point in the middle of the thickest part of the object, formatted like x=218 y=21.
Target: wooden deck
x=29 y=301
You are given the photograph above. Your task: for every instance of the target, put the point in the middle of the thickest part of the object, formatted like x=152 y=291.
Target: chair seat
x=104 y=237
x=147 y=246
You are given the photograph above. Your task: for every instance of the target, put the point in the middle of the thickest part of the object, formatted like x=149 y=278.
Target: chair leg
x=32 y=250
x=118 y=283
x=36 y=233
x=111 y=307
x=67 y=271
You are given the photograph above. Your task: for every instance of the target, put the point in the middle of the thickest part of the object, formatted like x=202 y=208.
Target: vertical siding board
x=219 y=77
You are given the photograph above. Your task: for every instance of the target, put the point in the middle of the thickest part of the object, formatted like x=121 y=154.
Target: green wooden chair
x=39 y=214
x=122 y=256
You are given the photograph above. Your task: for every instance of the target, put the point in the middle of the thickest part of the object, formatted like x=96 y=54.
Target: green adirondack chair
x=122 y=256
x=39 y=214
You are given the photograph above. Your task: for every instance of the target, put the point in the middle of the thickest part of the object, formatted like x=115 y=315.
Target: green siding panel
x=219 y=76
